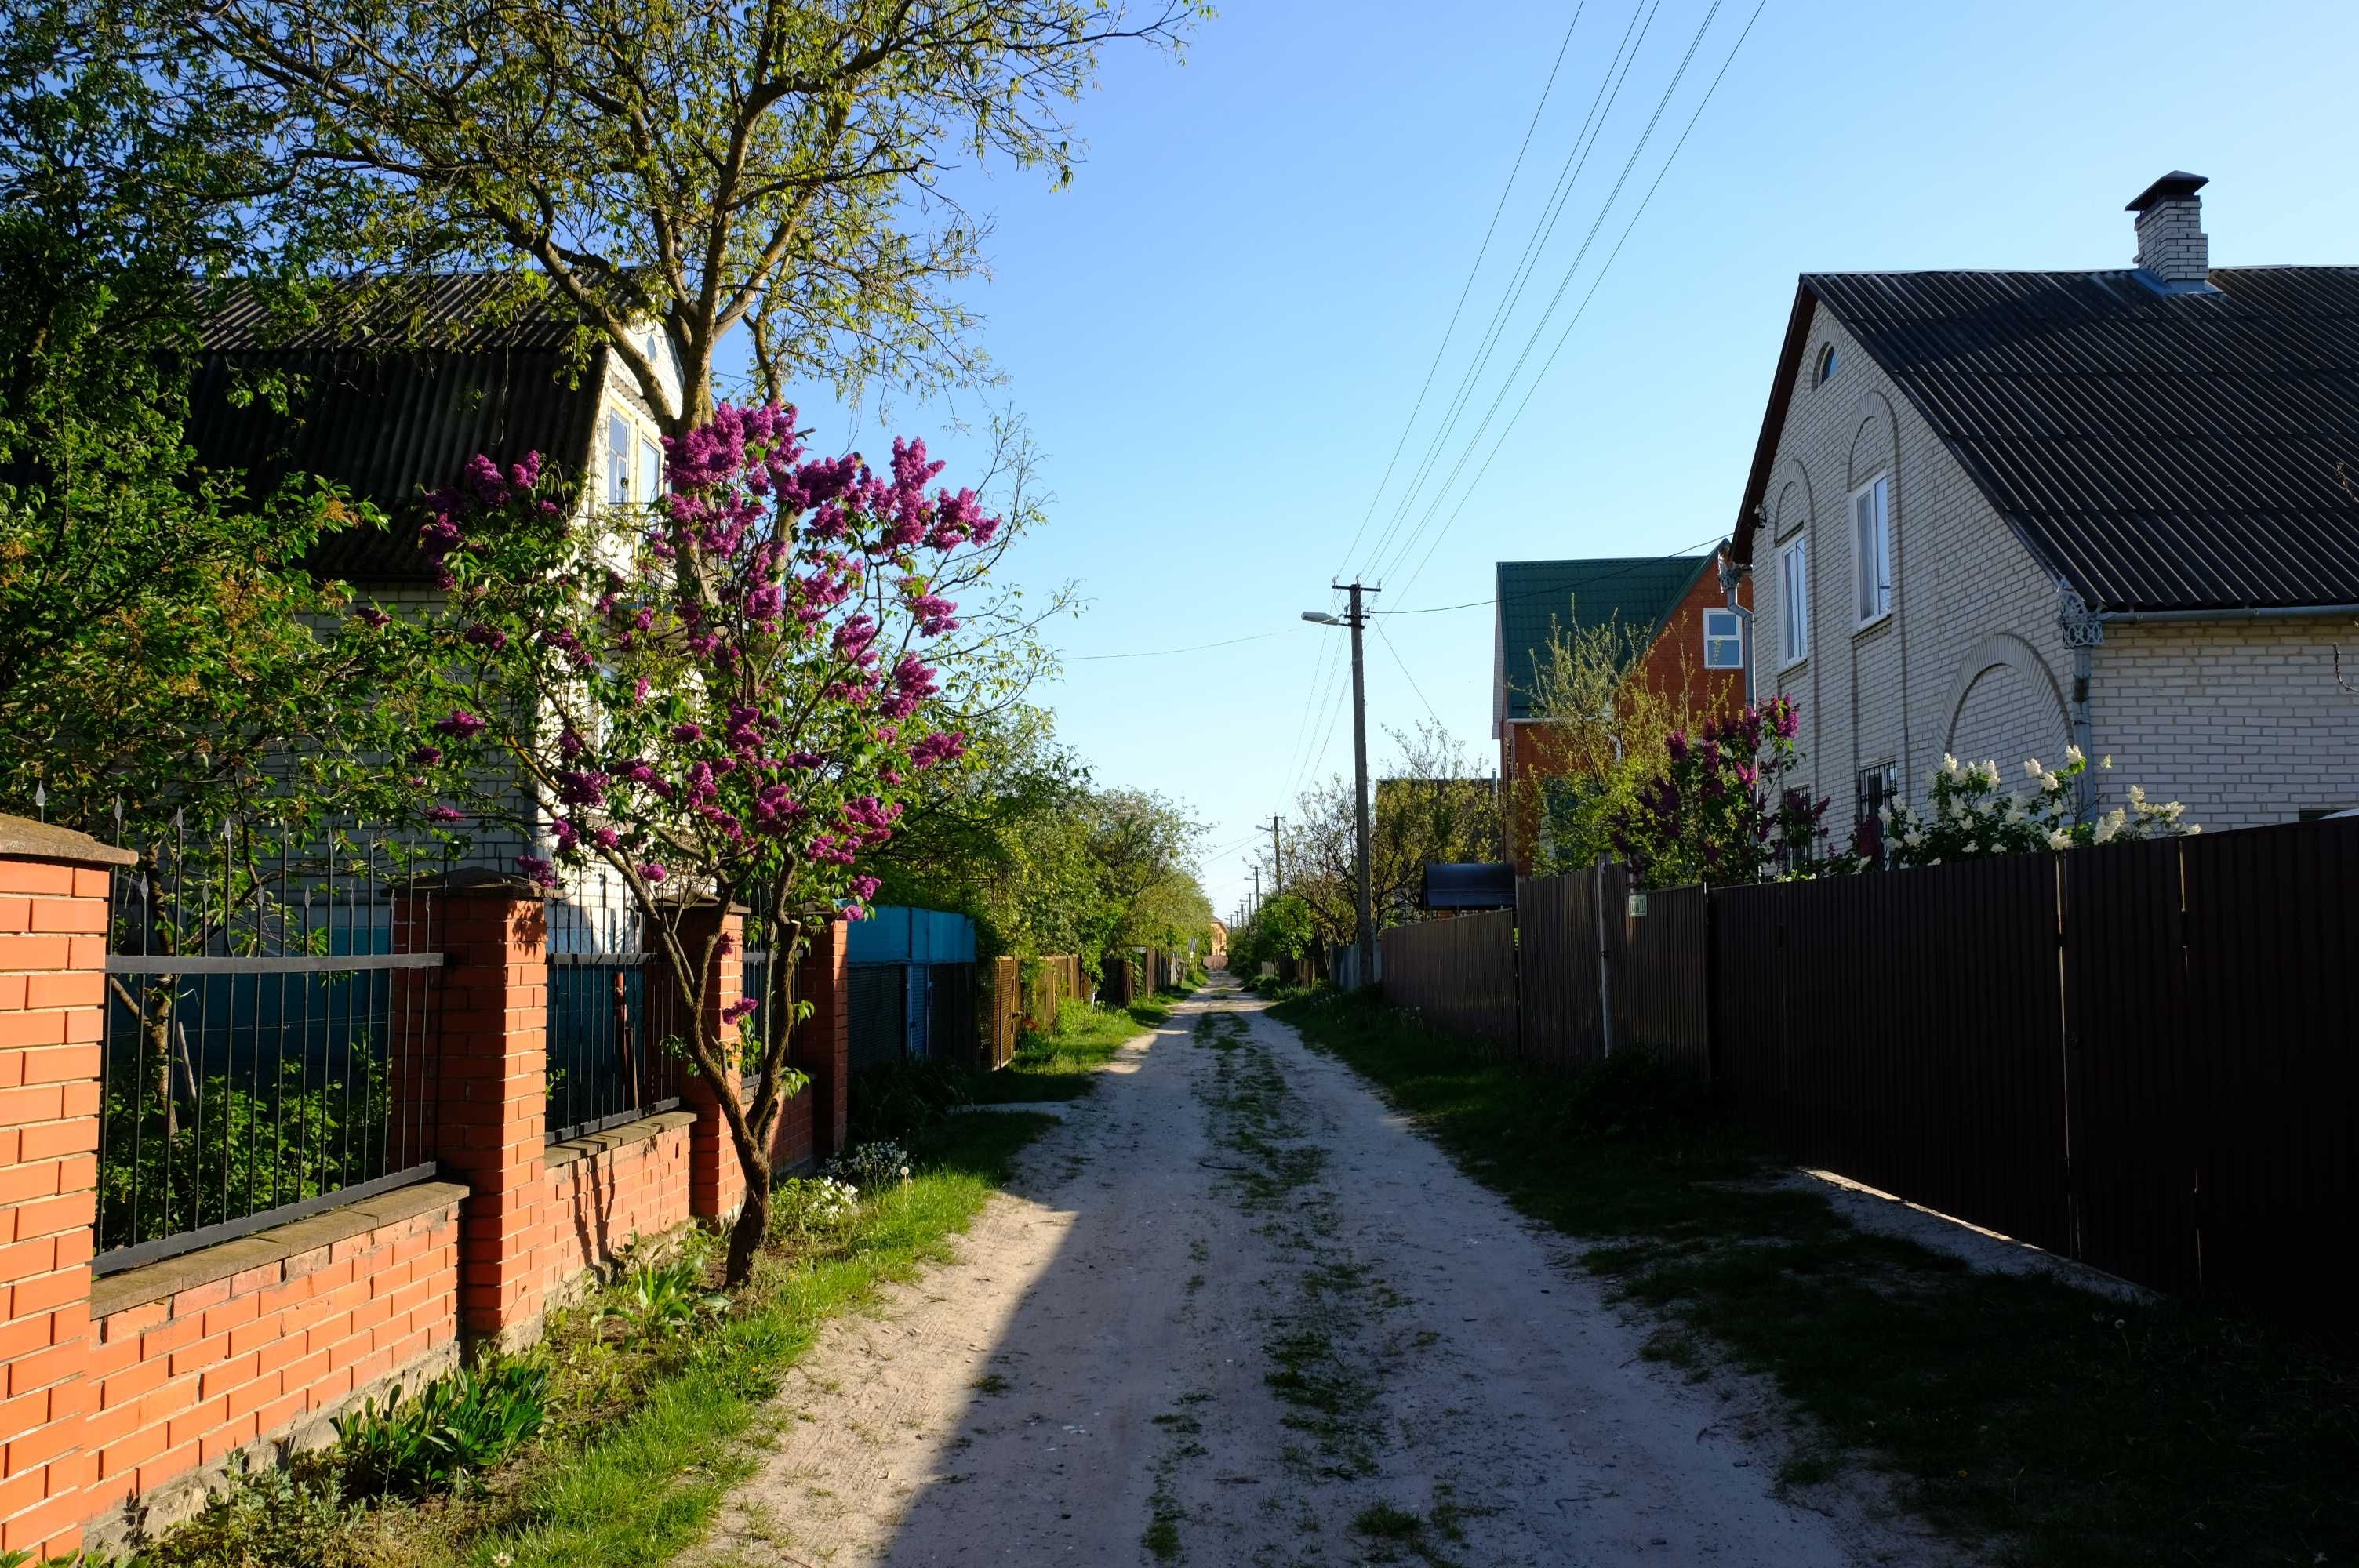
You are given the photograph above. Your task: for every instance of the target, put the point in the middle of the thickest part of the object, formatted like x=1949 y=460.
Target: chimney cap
x=2171 y=187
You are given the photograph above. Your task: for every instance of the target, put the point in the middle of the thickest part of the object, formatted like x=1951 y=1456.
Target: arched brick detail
x=1870 y=457
x=2004 y=650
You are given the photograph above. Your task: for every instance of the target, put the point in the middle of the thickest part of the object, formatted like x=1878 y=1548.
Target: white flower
x=2031 y=767
x=2106 y=761
x=1934 y=862
x=2137 y=794
x=2171 y=808
x=2048 y=782
x=1973 y=848
x=1949 y=765
x=2015 y=808
x=2060 y=840
x=2110 y=824
x=1990 y=774
x=2074 y=754
x=2195 y=828
x=1912 y=839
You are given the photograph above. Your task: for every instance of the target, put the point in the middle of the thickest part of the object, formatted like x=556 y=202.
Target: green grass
x=1064 y=1062
x=651 y=1486
x=2059 y=1427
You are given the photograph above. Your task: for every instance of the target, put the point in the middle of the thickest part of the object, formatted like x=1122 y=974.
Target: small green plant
x=804 y=1209
x=291 y=1518
x=455 y=1427
x=662 y=1301
x=907 y=1102
x=873 y=1167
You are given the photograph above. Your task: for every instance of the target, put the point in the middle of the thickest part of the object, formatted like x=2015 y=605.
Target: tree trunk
x=753 y=1226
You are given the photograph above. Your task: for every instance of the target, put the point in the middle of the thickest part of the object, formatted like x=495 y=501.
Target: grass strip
x=1064 y=1062
x=2057 y=1426
x=651 y=1486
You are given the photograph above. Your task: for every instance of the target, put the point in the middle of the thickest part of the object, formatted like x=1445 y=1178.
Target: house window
x=1871 y=539
x=1724 y=641
x=1873 y=790
x=618 y=460
x=651 y=469
x=1827 y=361
x=1793 y=602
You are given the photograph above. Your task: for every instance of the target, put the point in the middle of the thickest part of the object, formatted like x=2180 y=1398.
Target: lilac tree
x=722 y=698
x=1721 y=811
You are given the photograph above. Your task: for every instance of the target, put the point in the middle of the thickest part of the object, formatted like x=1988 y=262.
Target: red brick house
x=1674 y=605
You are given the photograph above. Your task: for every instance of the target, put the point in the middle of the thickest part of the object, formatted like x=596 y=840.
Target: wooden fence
x=2141 y=1056
x=1014 y=1002
x=1459 y=973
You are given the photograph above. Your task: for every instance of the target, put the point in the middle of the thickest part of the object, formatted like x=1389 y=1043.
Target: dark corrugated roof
x=2158 y=451
x=1636 y=592
x=390 y=408
x=1471 y=884
x=456 y=310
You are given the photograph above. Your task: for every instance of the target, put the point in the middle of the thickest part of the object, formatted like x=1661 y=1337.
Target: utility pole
x=1356 y=619
x=1257 y=871
x=1276 y=860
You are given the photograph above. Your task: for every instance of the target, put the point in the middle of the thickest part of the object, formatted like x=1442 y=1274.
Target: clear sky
x=1219 y=331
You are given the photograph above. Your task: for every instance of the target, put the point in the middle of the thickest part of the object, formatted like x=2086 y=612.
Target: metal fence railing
x=613 y=1010
x=269 y=1020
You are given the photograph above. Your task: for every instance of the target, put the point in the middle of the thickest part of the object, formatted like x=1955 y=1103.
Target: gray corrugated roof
x=2158 y=451
x=388 y=418
x=1635 y=591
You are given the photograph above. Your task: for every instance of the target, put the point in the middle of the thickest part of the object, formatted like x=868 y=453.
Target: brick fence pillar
x=53 y=912
x=822 y=1046
x=490 y=1073
x=716 y=1183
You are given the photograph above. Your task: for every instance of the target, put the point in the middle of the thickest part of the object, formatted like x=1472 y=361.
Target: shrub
x=805 y=1208
x=1973 y=815
x=455 y=1427
x=268 y=1519
x=662 y=1301
x=871 y=1167
x=906 y=1101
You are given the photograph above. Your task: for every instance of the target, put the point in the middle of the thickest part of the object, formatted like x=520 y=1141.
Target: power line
x=1467 y=289
x=1594 y=285
x=1407 y=676
x=1576 y=160
x=1712 y=538
x=1410 y=541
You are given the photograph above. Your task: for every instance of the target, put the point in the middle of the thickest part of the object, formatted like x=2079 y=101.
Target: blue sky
x=1218 y=331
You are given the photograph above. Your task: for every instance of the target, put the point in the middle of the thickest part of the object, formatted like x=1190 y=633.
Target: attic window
x=1828 y=363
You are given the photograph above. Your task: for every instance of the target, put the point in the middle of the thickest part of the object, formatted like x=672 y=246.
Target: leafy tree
x=1720 y=811
x=1604 y=731
x=777 y=166
x=722 y=699
x=1283 y=929
x=1433 y=804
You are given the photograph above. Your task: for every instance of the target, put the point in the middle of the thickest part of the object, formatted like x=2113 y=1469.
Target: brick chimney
x=2171 y=241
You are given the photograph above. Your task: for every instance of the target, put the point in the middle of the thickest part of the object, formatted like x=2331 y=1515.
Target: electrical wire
x=1709 y=539
x=1166 y=653
x=1595 y=283
x=1467 y=289
x=1408 y=677
x=1409 y=543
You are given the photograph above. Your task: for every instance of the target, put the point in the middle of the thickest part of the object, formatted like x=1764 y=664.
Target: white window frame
x=1733 y=633
x=651 y=469
x=1794 y=601
x=1871 y=549
x=622 y=444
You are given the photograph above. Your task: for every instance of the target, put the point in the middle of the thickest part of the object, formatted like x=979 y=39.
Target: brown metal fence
x=1460 y=974
x=2141 y=1056
x=1559 y=933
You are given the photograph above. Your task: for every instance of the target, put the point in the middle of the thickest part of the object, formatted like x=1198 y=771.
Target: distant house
x=1994 y=513
x=1672 y=606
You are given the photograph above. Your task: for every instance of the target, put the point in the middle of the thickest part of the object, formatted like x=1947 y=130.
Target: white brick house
x=1995 y=514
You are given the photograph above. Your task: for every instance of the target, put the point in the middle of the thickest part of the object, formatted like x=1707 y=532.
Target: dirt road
x=1238 y=1313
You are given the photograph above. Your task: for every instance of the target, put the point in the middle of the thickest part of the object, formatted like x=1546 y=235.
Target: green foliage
x=907 y=1101
x=234 y=1148
x=1604 y=731
x=456 y=1427
x=1283 y=928
x=871 y=1167
x=157 y=628
x=1972 y=815
x=297 y=1517
x=807 y=1210
x=1433 y=802
x=662 y=1301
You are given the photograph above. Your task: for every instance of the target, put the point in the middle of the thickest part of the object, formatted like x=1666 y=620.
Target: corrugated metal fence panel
x=878 y=1022
x=1459 y=973
x=2129 y=1053
x=1912 y=1036
x=1557 y=943
x=1661 y=990
x=2272 y=939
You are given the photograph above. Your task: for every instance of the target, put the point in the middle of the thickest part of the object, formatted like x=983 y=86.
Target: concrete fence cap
x=25 y=838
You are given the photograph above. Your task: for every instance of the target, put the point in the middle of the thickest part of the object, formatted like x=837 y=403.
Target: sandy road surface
x=1237 y=1313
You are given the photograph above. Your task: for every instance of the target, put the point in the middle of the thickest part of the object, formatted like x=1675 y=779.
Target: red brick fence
x=122 y=1394
x=2145 y=1055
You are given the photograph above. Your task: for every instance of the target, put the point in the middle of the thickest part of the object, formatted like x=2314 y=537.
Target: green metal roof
x=1637 y=591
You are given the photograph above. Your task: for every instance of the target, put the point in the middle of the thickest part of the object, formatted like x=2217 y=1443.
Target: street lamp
x=1320 y=618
